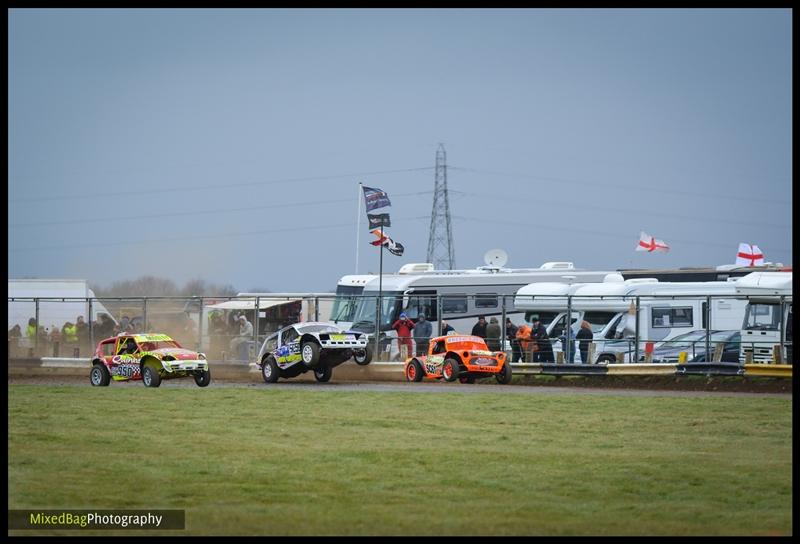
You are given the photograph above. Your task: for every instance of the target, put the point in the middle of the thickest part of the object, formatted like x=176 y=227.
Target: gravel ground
x=642 y=386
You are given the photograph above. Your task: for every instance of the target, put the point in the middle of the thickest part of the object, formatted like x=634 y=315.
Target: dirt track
x=642 y=386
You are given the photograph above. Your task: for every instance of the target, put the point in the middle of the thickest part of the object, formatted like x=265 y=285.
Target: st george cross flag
x=749 y=255
x=375 y=198
x=650 y=244
x=379 y=220
x=395 y=248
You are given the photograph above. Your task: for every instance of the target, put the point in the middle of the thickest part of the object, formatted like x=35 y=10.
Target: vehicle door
x=125 y=364
x=288 y=347
x=434 y=361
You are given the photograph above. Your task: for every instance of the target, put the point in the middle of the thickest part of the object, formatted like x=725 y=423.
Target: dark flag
x=375 y=198
x=395 y=248
x=379 y=220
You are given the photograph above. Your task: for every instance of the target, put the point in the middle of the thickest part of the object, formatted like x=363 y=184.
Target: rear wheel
x=99 y=375
x=269 y=370
x=504 y=376
x=414 y=372
x=363 y=356
x=450 y=370
x=202 y=378
x=150 y=377
x=323 y=373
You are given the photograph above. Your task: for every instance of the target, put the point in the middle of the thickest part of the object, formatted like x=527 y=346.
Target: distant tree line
x=151 y=286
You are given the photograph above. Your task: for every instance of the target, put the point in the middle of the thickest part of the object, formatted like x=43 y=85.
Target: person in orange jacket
x=524 y=338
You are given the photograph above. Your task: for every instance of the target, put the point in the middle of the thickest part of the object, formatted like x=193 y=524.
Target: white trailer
x=768 y=318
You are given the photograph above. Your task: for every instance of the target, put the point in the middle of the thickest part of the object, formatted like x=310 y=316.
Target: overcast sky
x=228 y=144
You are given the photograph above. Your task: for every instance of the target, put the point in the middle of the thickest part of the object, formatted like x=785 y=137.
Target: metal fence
x=623 y=328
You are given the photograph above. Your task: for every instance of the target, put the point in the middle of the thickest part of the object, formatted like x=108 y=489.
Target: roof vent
x=416 y=268
x=557 y=266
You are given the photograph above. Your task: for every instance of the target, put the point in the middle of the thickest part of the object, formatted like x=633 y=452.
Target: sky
x=229 y=145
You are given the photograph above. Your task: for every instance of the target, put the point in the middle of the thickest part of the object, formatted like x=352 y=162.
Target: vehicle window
x=289 y=335
x=439 y=347
x=108 y=349
x=126 y=346
x=486 y=300
x=671 y=317
x=271 y=343
x=454 y=304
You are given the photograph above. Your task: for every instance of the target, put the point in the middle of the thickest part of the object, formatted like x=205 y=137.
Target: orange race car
x=458 y=357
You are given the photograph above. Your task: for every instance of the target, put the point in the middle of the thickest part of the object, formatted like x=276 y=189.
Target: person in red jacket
x=403 y=326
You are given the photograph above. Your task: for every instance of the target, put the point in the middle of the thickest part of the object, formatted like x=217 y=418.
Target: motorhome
x=665 y=310
x=768 y=317
x=348 y=290
x=457 y=296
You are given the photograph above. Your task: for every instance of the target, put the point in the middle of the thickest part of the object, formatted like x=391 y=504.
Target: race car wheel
x=414 y=372
x=99 y=375
x=323 y=373
x=467 y=379
x=363 y=356
x=310 y=353
x=504 y=376
x=269 y=370
x=450 y=370
x=202 y=378
x=150 y=377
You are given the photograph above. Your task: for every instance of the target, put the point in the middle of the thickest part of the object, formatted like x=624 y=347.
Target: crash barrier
x=775 y=371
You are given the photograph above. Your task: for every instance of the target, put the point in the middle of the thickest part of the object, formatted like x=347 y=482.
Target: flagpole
x=380 y=293
x=358 y=221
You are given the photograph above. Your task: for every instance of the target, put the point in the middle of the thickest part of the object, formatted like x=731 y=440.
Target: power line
x=198 y=212
x=621 y=186
x=209 y=187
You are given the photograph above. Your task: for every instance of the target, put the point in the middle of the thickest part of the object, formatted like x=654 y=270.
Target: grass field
x=282 y=462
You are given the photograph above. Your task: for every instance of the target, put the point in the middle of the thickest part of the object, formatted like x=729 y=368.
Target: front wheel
x=202 y=378
x=269 y=370
x=450 y=370
x=504 y=376
x=363 y=356
x=99 y=375
x=414 y=372
x=323 y=373
x=150 y=377
x=310 y=354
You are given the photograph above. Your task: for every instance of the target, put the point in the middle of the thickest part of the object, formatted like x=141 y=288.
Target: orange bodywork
x=471 y=352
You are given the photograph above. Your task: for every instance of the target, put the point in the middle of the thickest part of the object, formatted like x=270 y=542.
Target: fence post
x=316 y=308
x=503 y=332
x=708 y=326
x=144 y=314
x=200 y=328
x=255 y=325
x=36 y=333
x=782 y=325
x=636 y=348
x=91 y=328
x=718 y=349
x=568 y=331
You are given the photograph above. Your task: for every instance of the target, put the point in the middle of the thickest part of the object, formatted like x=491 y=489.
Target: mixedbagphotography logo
x=97 y=519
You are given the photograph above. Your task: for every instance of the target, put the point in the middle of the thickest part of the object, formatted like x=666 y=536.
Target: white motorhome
x=666 y=309
x=457 y=296
x=768 y=317
x=348 y=290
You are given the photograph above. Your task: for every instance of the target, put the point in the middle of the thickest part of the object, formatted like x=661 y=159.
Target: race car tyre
x=309 y=351
x=467 y=379
x=269 y=370
x=202 y=378
x=99 y=375
x=150 y=377
x=450 y=370
x=323 y=373
x=504 y=376
x=414 y=372
x=363 y=356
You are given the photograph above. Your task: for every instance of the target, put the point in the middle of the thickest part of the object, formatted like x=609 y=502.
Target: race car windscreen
x=160 y=344
x=318 y=328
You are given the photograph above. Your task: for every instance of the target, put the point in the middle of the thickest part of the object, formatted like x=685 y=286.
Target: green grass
x=282 y=462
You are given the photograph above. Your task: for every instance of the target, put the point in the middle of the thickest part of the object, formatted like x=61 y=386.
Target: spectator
x=69 y=334
x=493 y=334
x=105 y=327
x=568 y=337
x=82 y=331
x=511 y=335
x=125 y=324
x=245 y=335
x=423 y=331
x=446 y=328
x=15 y=332
x=480 y=327
x=523 y=337
x=585 y=337
x=403 y=326
x=539 y=335
x=14 y=335
x=30 y=331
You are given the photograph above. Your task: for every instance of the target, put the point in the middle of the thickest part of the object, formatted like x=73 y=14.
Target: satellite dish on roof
x=495 y=258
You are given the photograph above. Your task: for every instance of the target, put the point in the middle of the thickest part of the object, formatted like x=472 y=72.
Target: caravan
x=665 y=310
x=768 y=318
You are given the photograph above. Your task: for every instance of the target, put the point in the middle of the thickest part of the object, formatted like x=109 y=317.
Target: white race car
x=313 y=345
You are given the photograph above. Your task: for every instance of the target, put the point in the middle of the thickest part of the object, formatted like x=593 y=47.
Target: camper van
x=348 y=290
x=768 y=317
x=457 y=296
x=666 y=309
